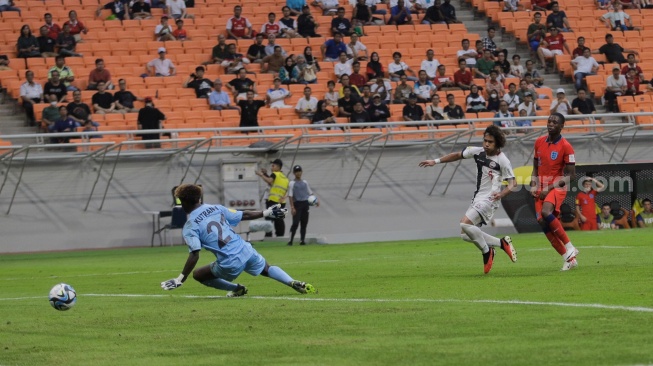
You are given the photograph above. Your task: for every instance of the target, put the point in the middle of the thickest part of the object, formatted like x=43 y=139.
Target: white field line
x=639 y=309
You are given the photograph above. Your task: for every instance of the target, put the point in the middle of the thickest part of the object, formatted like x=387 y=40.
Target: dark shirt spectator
x=306 y=25
x=80 y=111
x=378 y=112
x=241 y=85
x=58 y=89
x=28 y=45
x=117 y=7
x=584 y=106
x=125 y=98
x=341 y=24
x=455 y=112
x=434 y=15
x=449 y=12
x=613 y=52
x=346 y=105
x=360 y=116
x=104 y=100
x=413 y=112
x=202 y=87
x=150 y=118
x=46 y=44
x=249 y=111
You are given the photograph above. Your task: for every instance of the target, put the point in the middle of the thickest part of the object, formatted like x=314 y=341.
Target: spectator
x=613 y=51
x=275 y=97
x=511 y=97
x=66 y=43
x=578 y=51
x=356 y=78
x=463 y=77
x=449 y=12
x=479 y=49
x=475 y=100
x=346 y=84
x=452 y=110
x=8 y=5
x=66 y=74
x=310 y=60
x=163 y=31
x=582 y=104
x=506 y=117
x=528 y=105
x=346 y=104
x=485 y=65
x=433 y=111
x=269 y=48
x=632 y=4
x=541 y=5
x=584 y=65
x=27 y=45
x=467 y=54
x=605 y=220
x=618 y=20
x=306 y=74
x=443 y=81
x=99 y=74
x=77 y=28
x=322 y=115
x=359 y=114
x=561 y=104
x=177 y=9
x=645 y=218
x=378 y=111
x=241 y=85
x=50 y=114
x=233 y=61
x=332 y=48
x=239 y=27
x=512 y=6
x=632 y=65
x=306 y=24
x=102 y=101
x=198 y=82
x=274 y=62
x=117 y=7
x=488 y=43
x=424 y=88
x=430 y=65
x=557 y=18
x=295 y=6
x=343 y=67
x=355 y=47
x=180 y=33
x=288 y=24
x=65 y=123
x=328 y=7
x=288 y=73
x=402 y=91
x=398 y=68
x=538 y=80
x=632 y=83
x=271 y=27
x=46 y=44
x=340 y=24
x=52 y=28
x=366 y=97
x=493 y=102
x=150 y=118
x=307 y=105
x=552 y=46
x=536 y=32
x=256 y=52
x=523 y=122
x=56 y=88
x=494 y=85
x=219 y=99
x=362 y=14
x=383 y=88
x=503 y=66
x=219 y=51
x=249 y=110
x=141 y=10
x=375 y=68
x=516 y=69
x=161 y=66
x=412 y=111
x=78 y=110
x=434 y=15
x=331 y=96
x=4 y=63
x=400 y=14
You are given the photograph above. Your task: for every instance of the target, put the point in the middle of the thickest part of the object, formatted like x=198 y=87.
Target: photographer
x=198 y=82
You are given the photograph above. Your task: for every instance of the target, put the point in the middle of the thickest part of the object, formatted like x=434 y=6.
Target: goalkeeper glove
x=275 y=212
x=173 y=283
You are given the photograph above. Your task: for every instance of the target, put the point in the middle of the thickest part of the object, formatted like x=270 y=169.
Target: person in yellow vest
x=605 y=220
x=645 y=218
x=278 y=183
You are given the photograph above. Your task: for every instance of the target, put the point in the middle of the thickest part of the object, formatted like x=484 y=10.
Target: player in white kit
x=493 y=168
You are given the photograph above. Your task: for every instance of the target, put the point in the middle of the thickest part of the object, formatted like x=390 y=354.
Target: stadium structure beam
x=471 y=134
x=376 y=165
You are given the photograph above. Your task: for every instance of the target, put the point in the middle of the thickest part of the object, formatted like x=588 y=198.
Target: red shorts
x=589 y=225
x=556 y=197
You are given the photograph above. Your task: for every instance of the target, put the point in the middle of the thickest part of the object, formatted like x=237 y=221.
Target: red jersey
x=552 y=158
x=75 y=28
x=586 y=201
x=180 y=34
x=465 y=78
x=555 y=43
x=238 y=26
x=438 y=80
x=53 y=31
x=625 y=69
x=270 y=28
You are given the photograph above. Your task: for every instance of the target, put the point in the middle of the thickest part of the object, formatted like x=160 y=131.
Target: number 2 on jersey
x=213 y=224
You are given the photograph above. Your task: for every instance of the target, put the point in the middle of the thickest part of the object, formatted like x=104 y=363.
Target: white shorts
x=550 y=53
x=481 y=212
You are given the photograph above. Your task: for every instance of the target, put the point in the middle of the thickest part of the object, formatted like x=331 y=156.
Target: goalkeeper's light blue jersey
x=210 y=227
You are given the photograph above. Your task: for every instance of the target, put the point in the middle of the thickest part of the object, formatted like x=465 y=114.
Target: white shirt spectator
x=564 y=109
x=530 y=109
x=430 y=67
x=160 y=28
x=512 y=100
x=611 y=82
x=387 y=87
x=394 y=67
x=517 y=70
x=620 y=16
x=341 y=68
x=34 y=91
x=278 y=97
x=584 y=64
x=510 y=5
x=304 y=105
x=424 y=90
x=176 y=6
x=161 y=67
x=471 y=61
x=358 y=47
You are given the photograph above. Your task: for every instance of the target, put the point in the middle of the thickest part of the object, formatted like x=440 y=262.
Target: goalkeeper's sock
x=475 y=233
x=220 y=284
x=491 y=241
x=280 y=275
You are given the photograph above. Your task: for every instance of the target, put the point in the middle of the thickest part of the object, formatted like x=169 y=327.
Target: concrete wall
x=48 y=211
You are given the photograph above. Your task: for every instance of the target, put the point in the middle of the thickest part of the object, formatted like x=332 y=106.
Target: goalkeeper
x=210 y=227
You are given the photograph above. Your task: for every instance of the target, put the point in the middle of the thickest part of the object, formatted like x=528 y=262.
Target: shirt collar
x=554 y=142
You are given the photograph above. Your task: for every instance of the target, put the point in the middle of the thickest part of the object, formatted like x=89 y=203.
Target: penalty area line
x=638 y=309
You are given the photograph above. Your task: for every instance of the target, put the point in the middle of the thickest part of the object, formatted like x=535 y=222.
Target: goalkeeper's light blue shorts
x=254 y=266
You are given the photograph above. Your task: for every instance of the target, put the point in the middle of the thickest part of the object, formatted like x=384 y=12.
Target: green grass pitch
x=401 y=303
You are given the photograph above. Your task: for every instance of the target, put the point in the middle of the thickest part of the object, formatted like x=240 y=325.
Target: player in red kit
x=586 y=204
x=553 y=169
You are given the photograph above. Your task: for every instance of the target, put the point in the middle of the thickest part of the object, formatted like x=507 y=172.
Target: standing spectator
x=584 y=65
x=359 y=114
x=332 y=48
x=256 y=52
x=177 y=9
x=124 y=99
x=276 y=96
x=102 y=101
x=78 y=110
x=613 y=51
x=271 y=27
x=241 y=85
x=475 y=100
x=66 y=43
x=323 y=115
x=163 y=31
x=198 y=82
x=617 y=20
x=340 y=24
x=65 y=72
x=399 y=68
x=274 y=62
x=434 y=15
x=150 y=118
x=99 y=74
x=467 y=54
x=605 y=220
x=412 y=111
x=278 y=184
x=557 y=18
x=400 y=14
x=239 y=27
x=8 y=5
x=488 y=43
x=328 y=7
x=552 y=46
x=307 y=105
x=645 y=218
x=582 y=104
x=586 y=204
x=31 y=93
x=46 y=44
x=511 y=97
x=433 y=111
x=77 y=28
x=27 y=45
x=118 y=9
x=344 y=66
x=632 y=65
x=561 y=103
x=298 y=192
x=180 y=33
x=55 y=87
x=50 y=114
x=219 y=51
x=346 y=104
x=288 y=24
x=306 y=24
x=424 y=88
x=430 y=65
x=375 y=68
x=249 y=110
x=536 y=32
x=355 y=47
x=449 y=12
x=219 y=99
x=52 y=28
x=453 y=110
x=463 y=77
x=141 y=10
x=161 y=66
x=378 y=110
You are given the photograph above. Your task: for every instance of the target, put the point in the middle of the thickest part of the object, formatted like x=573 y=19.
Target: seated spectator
x=274 y=62
x=323 y=115
x=511 y=97
x=582 y=104
x=494 y=85
x=8 y=5
x=102 y=101
x=50 y=114
x=31 y=93
x=383 y=88
x=541 y=5
x=150 y=118
x=375 y=68
x=605 y=220
x=219 y=51
x=141 y=10
x=443 y=81
x=528 y=105
x=306 y=74
x=77 y=28
x=632 y=65
x=180 y=33
x=488 y=43
x=400 y=14
x=288 y=24
x=504 y=66
x=618 y=20
x=463 y=77
x=118 y=10
x=46 y=44
x=346 y=84
x=434 y=15
x=310 y=60
x=241 y=85
x=356 y=49
x=424 y=88
x=536 y=32
x=505 y=116
x=219 y=99
x=288 y=73
x=65 y=123
x=346 y=103
x=524 y=88
x=632 y=83
x=276 y=96
x=561 y=104
x=306 y=24
x=52 y=28
x=493 y=102
x=356 y=78
x=366 y=97
x=340 y=24
x=359 y=114
x=249 y=110
x=633 y=4
x=362 y=14
x=163 y=31
x=516 y=69
x=557 y=18
x=538 y=80
x=198 y=82
x=412 y=111
x=161 y=66
x=449 y=12
x=256 y=52
x=66 y=43
x=402 y=91
x=80 y=111
x=398 y=68
x=430 y=65
x=512 y=6
x=55 y=87
x=177 y=9
x=328 y=7
x=452 y=110
x=239 y=27
x=331 y=96
x=552 y=46
x=99 y=74
x=332 y=48
x=295 y=6
x=523 y=122
x=271 y=27
x=475 y=100
x=27 y=45
x=583 y=66
x=500 y=75
x=378 y=110
x=307 y=105
x=343 y=67
x=613 y=51
x=233 y=61
x=645 y=218
x=433 y=111
x=467 y=54
x=269 y=48
x=484 y=65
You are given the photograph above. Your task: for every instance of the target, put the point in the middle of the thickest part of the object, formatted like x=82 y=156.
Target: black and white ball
x=62 y=297
x=312 y=200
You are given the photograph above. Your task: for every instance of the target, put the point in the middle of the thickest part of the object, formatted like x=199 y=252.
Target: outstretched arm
x=274 y=212
x=191 y=262
x=445 y=159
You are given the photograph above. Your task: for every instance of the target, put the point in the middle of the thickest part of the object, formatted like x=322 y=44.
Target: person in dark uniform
x=298 y=192
x=150 y=118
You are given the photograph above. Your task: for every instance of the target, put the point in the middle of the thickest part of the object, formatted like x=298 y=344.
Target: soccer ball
x=62 y=297
x=312 y=200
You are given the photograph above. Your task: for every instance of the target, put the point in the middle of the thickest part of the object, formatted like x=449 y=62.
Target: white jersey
x=492 y=171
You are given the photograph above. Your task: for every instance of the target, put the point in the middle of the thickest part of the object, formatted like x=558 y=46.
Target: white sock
x=476 y=236
x=490 y=240
x=569 y=246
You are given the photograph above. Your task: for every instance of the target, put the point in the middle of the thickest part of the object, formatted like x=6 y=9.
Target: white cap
x=161 y=49
x=560 y=90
